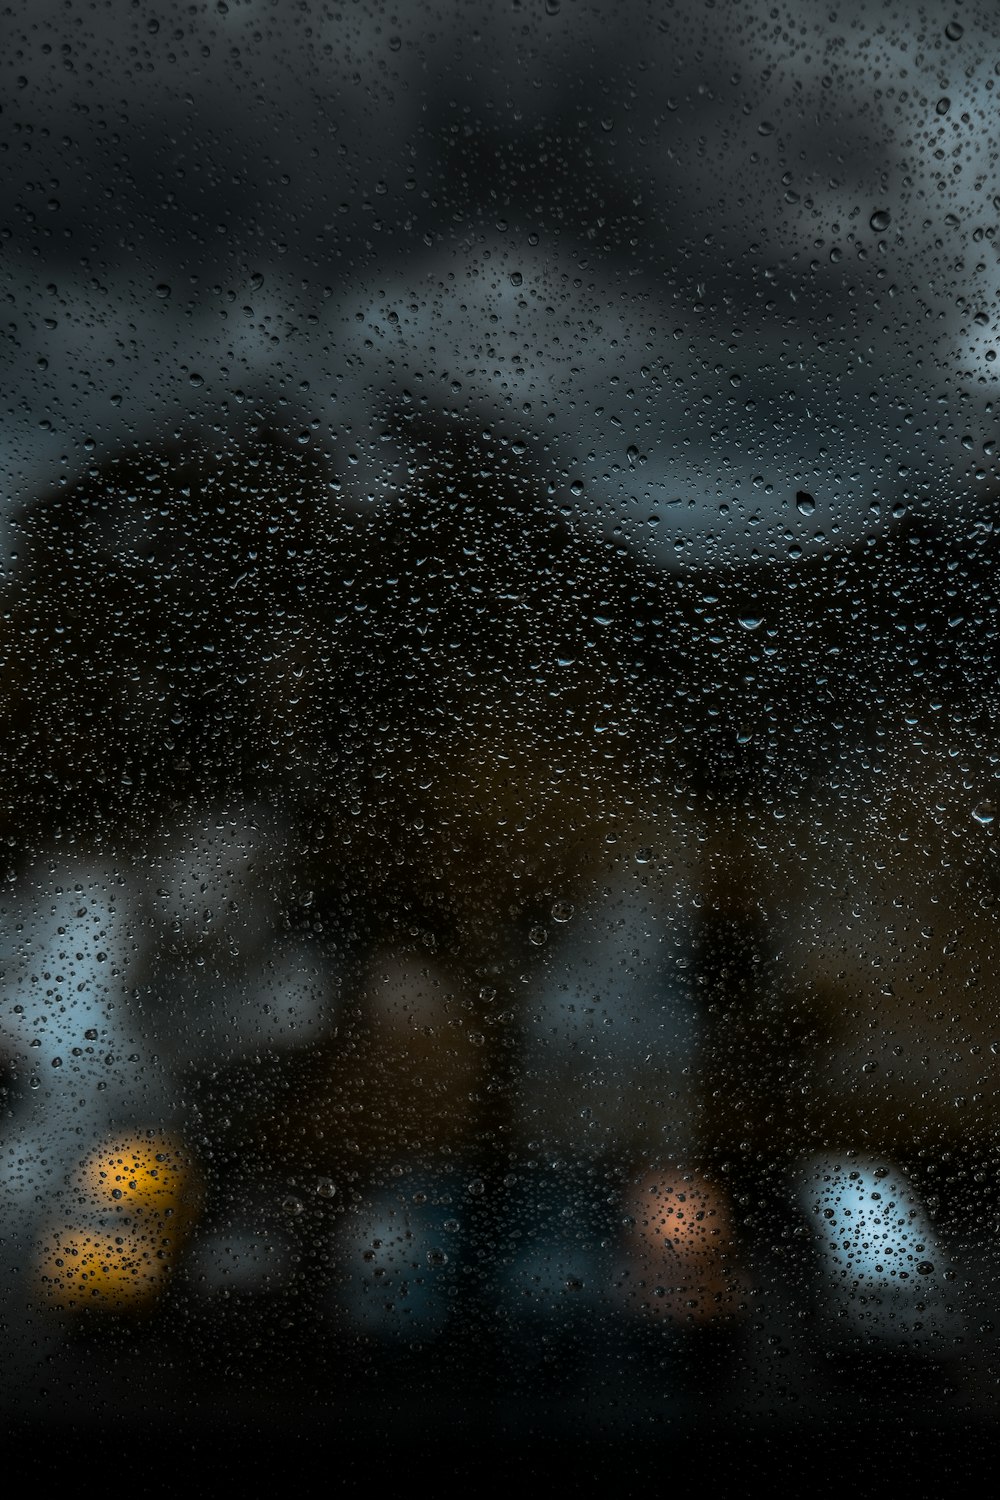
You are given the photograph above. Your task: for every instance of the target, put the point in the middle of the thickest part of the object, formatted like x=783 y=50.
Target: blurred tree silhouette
x=464 y=707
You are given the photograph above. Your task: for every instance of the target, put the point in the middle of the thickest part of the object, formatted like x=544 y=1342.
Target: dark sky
x=694 y=258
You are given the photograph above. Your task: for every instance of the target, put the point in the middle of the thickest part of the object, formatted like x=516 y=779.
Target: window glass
x=499 y=700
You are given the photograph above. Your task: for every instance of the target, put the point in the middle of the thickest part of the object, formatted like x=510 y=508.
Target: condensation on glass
x=499 y=700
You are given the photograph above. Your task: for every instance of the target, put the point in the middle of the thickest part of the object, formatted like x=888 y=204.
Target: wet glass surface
x=499 y=655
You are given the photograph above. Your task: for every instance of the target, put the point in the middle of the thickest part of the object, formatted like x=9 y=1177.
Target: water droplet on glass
x=538 y=936
x=954 y=31
x=984 y=812
x=751 y=622
x=562 y=911
x=880 y=220
x=804 y=503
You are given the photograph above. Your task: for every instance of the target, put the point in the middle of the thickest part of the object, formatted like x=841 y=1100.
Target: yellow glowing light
x=134 y=1202
x=81 y=1268
x=140 y=1175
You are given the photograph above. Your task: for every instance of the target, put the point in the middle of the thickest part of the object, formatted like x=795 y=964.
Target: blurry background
x=499 y=693
x=696 y=259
